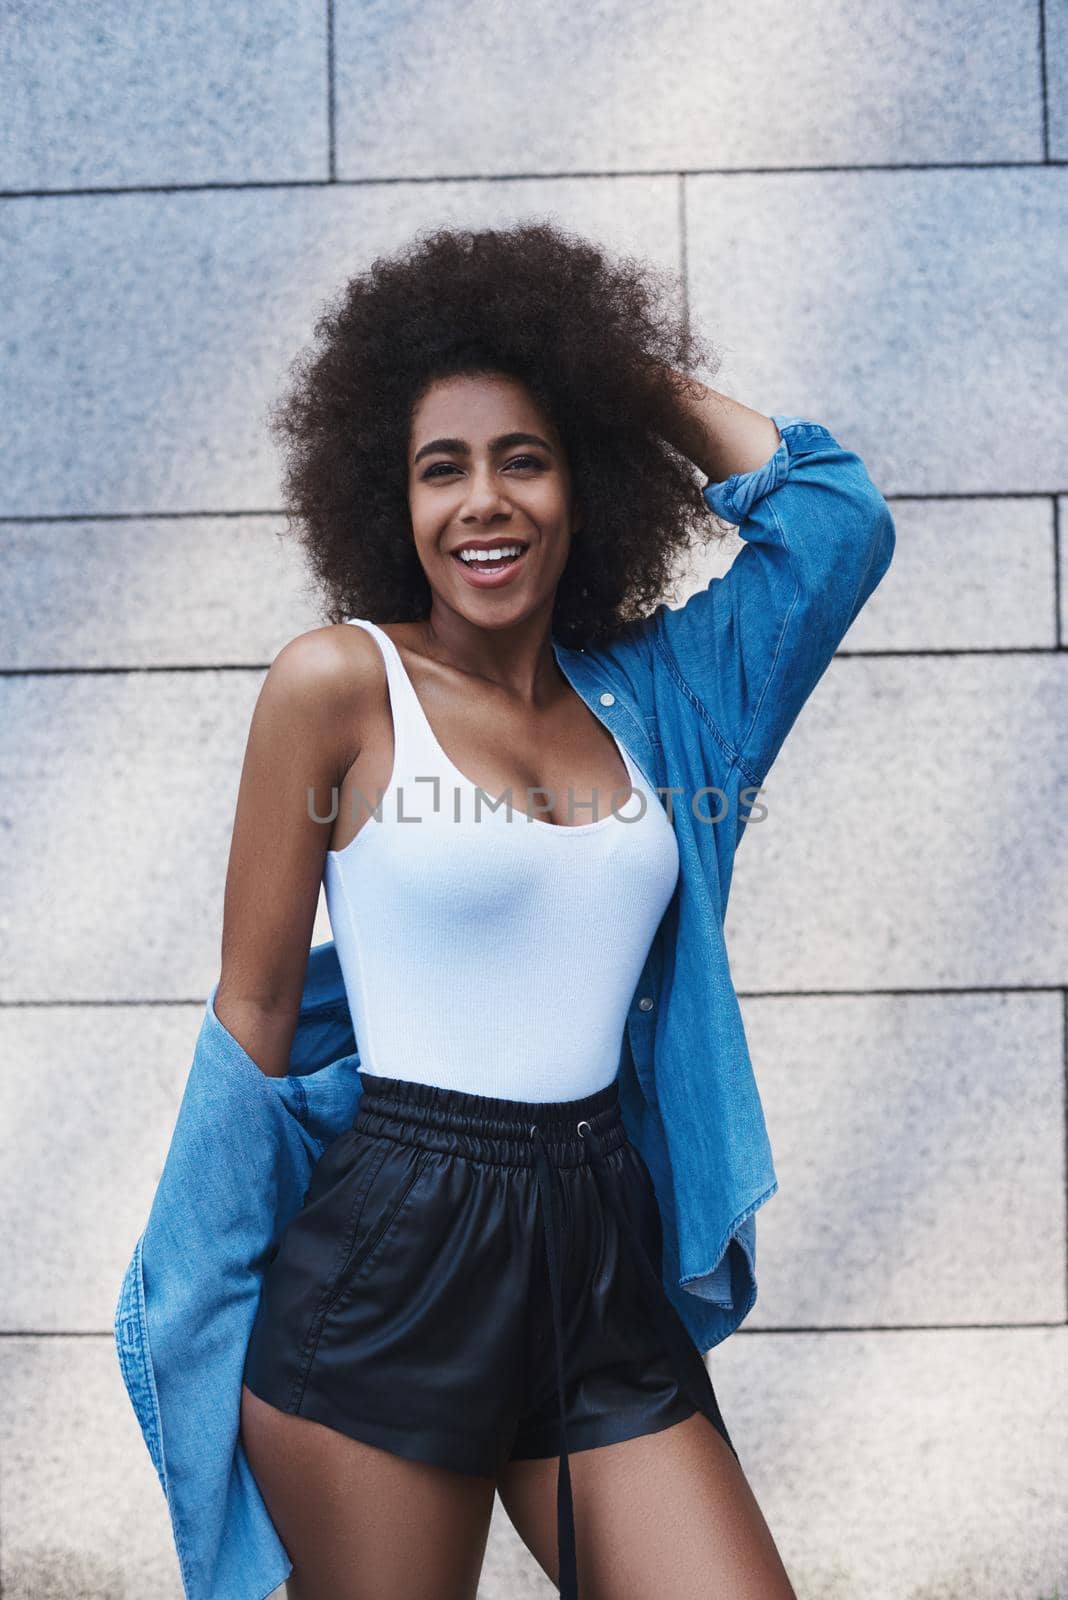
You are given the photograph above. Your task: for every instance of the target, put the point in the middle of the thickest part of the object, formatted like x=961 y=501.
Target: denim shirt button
x=608 y=699
x=645 y=1003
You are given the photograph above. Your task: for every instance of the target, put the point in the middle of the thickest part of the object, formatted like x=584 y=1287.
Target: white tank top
x=483 y=951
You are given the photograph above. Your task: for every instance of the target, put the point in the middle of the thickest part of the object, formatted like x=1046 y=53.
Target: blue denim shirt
x=702 y=696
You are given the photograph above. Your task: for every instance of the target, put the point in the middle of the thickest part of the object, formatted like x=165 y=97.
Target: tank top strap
x=415 y=750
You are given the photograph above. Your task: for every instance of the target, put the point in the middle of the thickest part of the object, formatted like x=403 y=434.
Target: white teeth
x=505 y=553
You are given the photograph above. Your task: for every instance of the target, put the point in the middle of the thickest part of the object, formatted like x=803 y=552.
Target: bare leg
x=667 y=1513
x=361 y=1523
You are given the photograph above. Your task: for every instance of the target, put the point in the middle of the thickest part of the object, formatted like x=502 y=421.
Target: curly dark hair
x=591 y=339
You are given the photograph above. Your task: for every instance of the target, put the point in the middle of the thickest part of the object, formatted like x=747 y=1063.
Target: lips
x=497 y=570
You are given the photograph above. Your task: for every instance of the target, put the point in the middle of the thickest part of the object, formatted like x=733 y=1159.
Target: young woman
x=492 y=463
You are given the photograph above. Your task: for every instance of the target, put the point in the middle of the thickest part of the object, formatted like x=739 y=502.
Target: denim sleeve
x=751 y=646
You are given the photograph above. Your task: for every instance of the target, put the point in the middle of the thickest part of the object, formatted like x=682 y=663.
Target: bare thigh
x=666 y=1513
x=360 y=1523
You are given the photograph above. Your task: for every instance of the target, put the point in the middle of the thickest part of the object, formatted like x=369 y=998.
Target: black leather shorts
x=472 y=1281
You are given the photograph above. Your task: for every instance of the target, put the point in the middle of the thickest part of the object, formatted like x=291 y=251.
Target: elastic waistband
x=484 y=1127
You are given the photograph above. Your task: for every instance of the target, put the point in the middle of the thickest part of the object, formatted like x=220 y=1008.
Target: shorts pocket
x=392 y=1179
x=374 y=1182
x=337 y=1159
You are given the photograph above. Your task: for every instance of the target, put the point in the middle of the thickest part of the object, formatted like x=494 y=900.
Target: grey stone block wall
x=867 y=208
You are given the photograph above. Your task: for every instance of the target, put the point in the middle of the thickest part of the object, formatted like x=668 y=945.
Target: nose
x=484 y=497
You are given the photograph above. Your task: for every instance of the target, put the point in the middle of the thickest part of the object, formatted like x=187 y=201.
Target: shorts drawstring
x=683 y=1352
x=565 y=1513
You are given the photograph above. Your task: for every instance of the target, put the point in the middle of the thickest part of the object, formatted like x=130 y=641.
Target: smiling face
x=487 y=471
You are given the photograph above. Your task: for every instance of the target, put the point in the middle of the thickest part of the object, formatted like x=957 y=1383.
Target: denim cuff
x=733 y=498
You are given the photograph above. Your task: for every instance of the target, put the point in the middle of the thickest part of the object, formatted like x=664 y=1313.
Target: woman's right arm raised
x=302 y=737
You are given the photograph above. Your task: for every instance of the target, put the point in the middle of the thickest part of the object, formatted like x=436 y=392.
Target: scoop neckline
x=476 y=788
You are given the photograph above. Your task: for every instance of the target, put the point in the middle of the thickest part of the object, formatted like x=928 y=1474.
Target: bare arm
x=719 y=435
x=301 y=736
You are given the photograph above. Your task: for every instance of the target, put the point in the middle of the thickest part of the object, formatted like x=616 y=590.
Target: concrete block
x=634 y=87
x=918 y=315
x=966 y=575
x=908 y=1465
x=79 y=1086
x=146 y=335
x=99 y=96
x=154 y=591
x=915 y=835
x=920 y=1157
x=84 y=1515
x=120 y=793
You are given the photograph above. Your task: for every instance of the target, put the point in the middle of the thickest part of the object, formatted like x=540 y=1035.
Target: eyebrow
x=460 y=447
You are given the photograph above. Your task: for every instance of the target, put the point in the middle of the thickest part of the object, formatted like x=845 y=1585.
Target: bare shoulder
x=329 y=667
x=326 y=684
